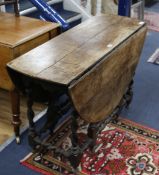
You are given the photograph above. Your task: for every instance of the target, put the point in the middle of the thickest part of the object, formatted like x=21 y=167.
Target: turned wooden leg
x=52 y=115
x=16 y=9
x=129 y=94
x=30 y=112
x=15 y=104
x=92 y=133
x=74 y=127
x=76 y=154
x=32 y=135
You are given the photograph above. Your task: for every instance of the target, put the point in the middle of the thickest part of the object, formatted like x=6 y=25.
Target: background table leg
x=15 y=104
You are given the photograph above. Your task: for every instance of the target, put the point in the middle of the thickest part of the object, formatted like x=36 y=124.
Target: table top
x=17 y=30
x=67 y=57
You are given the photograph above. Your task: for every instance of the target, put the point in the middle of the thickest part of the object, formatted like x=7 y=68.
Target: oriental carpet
x=122 y=148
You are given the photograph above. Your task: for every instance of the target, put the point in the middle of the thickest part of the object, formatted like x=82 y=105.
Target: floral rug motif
x=122 y=148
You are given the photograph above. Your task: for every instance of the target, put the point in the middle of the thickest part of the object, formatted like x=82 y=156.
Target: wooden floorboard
x=6 y=128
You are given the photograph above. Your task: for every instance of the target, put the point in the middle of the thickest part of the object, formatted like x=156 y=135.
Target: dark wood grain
x=76 y=50
x=100 y=90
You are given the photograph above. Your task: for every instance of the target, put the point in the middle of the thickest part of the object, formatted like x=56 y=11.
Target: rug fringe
x=142 y=126
x=36 y=169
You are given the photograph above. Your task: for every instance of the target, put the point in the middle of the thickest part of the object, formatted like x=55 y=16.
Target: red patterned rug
x=122 y=148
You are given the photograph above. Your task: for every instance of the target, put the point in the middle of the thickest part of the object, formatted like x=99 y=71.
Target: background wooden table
x=18 y=35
